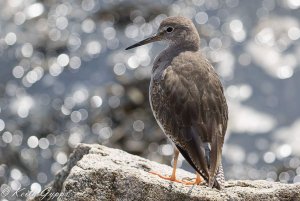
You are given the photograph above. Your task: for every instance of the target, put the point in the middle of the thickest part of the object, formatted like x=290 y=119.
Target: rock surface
x=98 y=173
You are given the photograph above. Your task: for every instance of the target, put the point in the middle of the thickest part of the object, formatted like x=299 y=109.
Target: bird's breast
x=160 y=108
x=154 y=99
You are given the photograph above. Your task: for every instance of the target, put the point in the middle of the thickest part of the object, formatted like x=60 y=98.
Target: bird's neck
x=164 y=59
x=184 y=46
x=187 y=42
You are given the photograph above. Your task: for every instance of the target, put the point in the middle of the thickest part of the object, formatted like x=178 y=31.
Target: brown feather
x=187 y=98
x=192 y=97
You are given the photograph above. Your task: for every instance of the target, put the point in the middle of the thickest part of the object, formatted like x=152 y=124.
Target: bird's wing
x=199 y=114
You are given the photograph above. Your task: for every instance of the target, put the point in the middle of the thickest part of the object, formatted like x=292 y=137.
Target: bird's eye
x=170 y=29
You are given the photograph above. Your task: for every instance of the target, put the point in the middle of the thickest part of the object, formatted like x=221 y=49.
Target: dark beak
x=151 y=39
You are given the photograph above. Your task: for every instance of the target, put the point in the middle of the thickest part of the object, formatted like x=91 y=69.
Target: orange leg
x=173 y=176
x=197 y=181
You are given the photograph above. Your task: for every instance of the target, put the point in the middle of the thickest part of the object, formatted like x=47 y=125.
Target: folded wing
x=198 y=115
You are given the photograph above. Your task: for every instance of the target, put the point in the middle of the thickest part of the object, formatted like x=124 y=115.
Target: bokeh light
x=66 y=79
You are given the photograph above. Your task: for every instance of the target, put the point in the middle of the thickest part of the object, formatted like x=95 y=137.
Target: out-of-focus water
x=66 y=78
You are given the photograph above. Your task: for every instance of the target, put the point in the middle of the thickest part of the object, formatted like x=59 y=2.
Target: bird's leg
x=175 y=159
x=197 y=181
x=173 y=176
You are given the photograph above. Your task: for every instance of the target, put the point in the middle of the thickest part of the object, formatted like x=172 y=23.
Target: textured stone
x=96 y=172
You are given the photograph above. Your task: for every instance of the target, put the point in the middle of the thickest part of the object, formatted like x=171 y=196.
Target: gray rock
x=99 y=173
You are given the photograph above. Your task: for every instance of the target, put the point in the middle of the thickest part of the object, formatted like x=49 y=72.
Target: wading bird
x=187 y=100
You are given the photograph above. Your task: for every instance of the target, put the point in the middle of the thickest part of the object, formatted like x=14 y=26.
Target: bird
x=187 y=100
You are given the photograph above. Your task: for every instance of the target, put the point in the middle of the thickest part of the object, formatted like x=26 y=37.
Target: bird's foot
x=169 y=178
x=197 y=181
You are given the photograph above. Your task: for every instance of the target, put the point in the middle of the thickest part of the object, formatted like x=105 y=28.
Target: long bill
x=146 y=41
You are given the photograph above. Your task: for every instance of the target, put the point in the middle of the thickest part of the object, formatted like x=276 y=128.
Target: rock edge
x=99 y=173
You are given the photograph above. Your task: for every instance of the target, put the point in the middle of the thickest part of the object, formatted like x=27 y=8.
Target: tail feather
x=220 y=177
x=218 y=181
x=215 y=154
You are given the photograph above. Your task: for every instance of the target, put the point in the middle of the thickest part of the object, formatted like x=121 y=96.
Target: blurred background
x=65 y=79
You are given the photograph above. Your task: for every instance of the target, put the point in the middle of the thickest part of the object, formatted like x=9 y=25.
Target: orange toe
x=197 y=181
x=169 y=178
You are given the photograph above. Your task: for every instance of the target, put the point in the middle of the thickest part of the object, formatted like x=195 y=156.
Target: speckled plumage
x=187 y=99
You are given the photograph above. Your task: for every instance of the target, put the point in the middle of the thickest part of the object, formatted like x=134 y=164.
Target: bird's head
x=176 y=31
